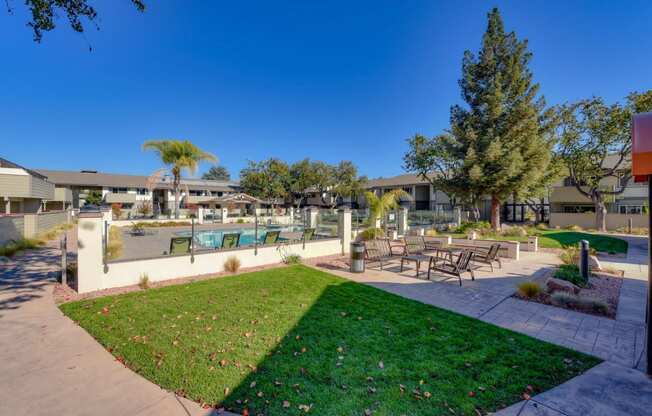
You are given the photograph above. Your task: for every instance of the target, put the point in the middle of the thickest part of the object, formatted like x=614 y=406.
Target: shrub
x=371 y=234
x=14 y=246
x=573 y=227
x=144 y=208
x=529 y=289
x=515 y=231
x=563 y=299
x=115 y=244
x=158 y=224
x=143 y=282
x=240 y=221
x=116 y=210
x=471 y=226
x=232 y=264
x=292 y=259
x=541 y=226
x=589 y=304
x=431 y=232
x=571 y=273
x=570 y=255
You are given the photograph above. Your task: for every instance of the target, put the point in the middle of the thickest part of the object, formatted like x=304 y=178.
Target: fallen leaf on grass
x=381 y=365
x=286 y=404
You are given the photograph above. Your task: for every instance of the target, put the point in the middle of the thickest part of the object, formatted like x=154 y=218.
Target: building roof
x=400 y=180
x=95 y=178
x=4 y=163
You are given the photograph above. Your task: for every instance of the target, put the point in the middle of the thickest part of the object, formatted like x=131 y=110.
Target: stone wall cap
x=90 y=214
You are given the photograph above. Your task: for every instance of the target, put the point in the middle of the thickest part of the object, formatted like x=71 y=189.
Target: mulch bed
x=602 y=285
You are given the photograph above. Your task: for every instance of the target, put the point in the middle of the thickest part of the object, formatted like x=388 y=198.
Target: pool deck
x=156 y=241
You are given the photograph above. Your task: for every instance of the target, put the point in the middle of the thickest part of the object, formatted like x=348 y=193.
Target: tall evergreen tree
x=499 y=133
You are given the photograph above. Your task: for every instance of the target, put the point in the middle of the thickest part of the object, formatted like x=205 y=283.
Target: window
x=119 y=190
x=142 y=191
x=569 y=209
x=199 y=193
x=630 y=209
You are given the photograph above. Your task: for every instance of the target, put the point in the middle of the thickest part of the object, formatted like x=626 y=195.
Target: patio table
x=416 y=258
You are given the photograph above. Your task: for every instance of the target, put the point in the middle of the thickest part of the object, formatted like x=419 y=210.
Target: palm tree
x=178 y=155
x=379 y=206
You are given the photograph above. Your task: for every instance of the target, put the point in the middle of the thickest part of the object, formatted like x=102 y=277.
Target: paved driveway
x=50 y=366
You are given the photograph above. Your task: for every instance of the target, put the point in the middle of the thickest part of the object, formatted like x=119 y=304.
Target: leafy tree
x=303 y=180
x=596 y=143
x=346 y=182
x=217 y=173
x=94 y=198
x=498 y=135
x=324 y=176
x=437 y=161
x=178 y=155
x=44 y=14
x=268 y=180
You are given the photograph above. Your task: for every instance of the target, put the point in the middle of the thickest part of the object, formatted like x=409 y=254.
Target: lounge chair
x=488 y=257
x=137 y=230
x=308 y=234
x=451 y=267
x=180 y=245
x=271 y=237
x=230 y=240
x=378 y=251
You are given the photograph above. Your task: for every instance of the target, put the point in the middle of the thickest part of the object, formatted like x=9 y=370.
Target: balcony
x=568 y=194
x=119 y=198
x=62 y=195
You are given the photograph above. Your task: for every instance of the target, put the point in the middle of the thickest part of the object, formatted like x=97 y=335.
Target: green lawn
x=287 y=340
x=561 y=238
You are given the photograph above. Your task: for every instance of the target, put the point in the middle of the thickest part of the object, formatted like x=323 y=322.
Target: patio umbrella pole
x=255 y=231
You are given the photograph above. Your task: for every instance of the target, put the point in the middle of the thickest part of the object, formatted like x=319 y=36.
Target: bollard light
x=584 y=259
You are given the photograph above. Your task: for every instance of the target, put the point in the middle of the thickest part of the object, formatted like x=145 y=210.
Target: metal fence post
x=255 y=231
x=192 y=240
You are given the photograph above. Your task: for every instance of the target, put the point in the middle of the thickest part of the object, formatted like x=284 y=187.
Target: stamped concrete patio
x=618 y=341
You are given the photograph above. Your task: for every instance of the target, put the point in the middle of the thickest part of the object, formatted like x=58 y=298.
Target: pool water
x=213 y=238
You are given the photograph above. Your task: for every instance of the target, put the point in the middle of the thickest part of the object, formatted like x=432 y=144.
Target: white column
x=225 y=215
x=200 y=215
x=344 y=228
x=458 y=216
x=7 y=205
x=402 y=221
x=89 y=252
x=311 y=214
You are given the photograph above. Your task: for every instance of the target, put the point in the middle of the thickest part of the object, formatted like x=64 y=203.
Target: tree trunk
x=495 y=213
x=600 y=214
x=176 y=197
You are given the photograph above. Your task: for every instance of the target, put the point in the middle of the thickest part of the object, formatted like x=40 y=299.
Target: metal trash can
x=357 y=257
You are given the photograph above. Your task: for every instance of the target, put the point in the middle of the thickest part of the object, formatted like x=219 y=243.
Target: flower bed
x=598 y=297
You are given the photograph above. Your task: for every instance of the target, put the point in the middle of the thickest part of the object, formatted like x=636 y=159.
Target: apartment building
x=132 y=191
x=24 y=191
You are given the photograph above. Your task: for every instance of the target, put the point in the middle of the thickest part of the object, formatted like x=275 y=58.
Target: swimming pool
x=213 y=238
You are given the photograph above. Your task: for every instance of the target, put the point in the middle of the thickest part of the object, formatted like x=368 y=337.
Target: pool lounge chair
x=230 y=240
x=488 y=257
x=308 y=234
x=453 y=268
x=180 y=245
x=271 y=237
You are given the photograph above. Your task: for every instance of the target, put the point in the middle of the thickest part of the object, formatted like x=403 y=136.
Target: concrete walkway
x=50 y=366
x=612 y=388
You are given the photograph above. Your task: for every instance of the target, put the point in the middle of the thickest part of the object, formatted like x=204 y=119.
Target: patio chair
x=378 y=251
x=415 y=248
x=180 y=245
x=230 y=240
x=451 y=267
x=271 y=237
x=488 y=257
x=308 y=234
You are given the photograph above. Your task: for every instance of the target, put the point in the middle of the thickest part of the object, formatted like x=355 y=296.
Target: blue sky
x=249 y=80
